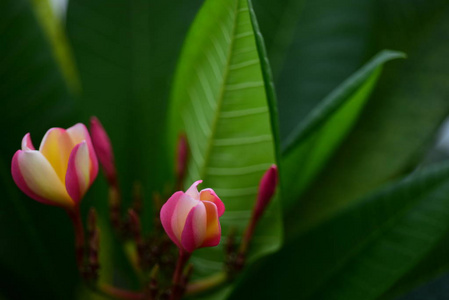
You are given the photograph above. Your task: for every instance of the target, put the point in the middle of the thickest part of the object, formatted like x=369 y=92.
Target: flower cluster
x=61 y=171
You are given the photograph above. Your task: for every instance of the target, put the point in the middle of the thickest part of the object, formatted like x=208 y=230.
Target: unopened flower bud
x=103 y=148
x=267 y=187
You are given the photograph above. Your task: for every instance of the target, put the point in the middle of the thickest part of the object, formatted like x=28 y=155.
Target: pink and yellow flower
x=61 y=171
x=191 y=219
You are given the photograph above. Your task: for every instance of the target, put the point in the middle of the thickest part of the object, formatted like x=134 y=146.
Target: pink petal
x=79 y=133
x=166 y=216
x=182 y=209
x=56 y=146
x=77 y=179
x=194 y=231
x=193 y=190
x=213 y=230
x=35 y=176
x=26 y=142
x=211 y=196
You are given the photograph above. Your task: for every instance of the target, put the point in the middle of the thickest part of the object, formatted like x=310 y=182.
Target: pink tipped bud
x=181 y=158
x=267 y=187
x=103 y=148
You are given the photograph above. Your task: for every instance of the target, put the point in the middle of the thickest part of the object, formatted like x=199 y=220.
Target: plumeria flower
x=61 y=171
x=191 y=219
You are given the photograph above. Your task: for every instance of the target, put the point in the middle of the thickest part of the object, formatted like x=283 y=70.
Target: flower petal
x=193 y=190
x=194 y=231
x=77 y=179
x=166 y=216
x=26 y=142
x=211 y=196
x=35 y=176
x=213 y=229
x=79 y=133
x=56 y=146
x=182 y=210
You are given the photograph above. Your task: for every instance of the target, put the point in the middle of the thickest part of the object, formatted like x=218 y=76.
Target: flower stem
x=75 y=216
x=178 y=289
x=207 y=283
x=117 y=293
x=248 y=235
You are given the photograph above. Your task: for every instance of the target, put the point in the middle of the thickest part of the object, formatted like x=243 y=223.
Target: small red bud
x=267 y=187
x=103 y=149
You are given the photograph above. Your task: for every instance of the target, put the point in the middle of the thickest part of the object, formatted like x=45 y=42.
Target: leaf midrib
x=220 y=97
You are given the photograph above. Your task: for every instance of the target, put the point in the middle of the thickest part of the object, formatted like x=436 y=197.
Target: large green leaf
x=313 y=141
x=37 y=240
x=363 y=251
x=219 y=100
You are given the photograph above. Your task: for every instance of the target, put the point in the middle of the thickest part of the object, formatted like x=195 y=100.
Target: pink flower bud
x=103 y=148
x=191 y=219
x=61 y=171
x=267 y=187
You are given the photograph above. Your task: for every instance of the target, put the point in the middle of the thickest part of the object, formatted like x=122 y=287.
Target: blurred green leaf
x=363 y=251
x=219 y=100
x=313 y=141
x=437 y=289
x=398 y=122
x=34 y=97
x=313 y=46
x=434 y=265
x=56 y=35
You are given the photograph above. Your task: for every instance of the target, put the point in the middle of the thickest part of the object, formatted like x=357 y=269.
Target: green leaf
x=313 y=141
x=363 y=251
x=34 y=97
x=434 y=265
x=399 y=121
x=268 y=83
x=219 y=100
